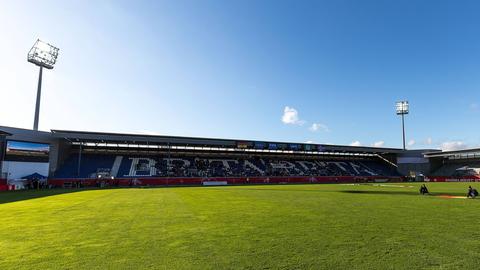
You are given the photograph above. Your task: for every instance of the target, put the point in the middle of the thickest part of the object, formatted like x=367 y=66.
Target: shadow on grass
x=379 y=192
x=283 y=190
x=404 y=193
x=365 y=192
x=22 y=195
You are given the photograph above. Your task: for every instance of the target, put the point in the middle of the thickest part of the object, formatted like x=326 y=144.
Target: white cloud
x=378 y=144
x=356 y=143
x=319 y=127
x=290 y=116
x=310 y=142
x=453 y=145
x=428 y=141
x=411 y=142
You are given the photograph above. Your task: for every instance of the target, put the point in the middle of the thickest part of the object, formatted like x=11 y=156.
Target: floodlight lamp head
x=43 y=54
x=402 y=107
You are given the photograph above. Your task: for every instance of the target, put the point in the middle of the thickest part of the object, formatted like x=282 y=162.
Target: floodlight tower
x=402 y=109
x=43 y=55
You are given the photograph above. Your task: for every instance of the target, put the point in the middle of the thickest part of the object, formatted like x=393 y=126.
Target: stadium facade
x=78 y=158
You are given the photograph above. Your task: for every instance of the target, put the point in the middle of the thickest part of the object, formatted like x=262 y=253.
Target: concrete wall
x=413 y=161
x=2 y=153
x=17 y=169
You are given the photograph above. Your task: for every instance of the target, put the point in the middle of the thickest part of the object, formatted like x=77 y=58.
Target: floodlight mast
x=43 y=55
x=402 y=109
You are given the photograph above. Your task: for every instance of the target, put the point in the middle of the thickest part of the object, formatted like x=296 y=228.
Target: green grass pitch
x=241 y=227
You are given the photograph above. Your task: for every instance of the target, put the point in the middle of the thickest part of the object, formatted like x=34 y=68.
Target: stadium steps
x=116 y=166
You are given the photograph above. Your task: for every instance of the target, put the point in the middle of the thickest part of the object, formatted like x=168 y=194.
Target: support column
x=37 y=104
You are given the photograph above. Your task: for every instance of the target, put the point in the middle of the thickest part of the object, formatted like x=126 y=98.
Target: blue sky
x=231 y=69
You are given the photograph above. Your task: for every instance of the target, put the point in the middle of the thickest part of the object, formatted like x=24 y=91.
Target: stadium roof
x=3 y=133
x=473 y=152
x=119 y=138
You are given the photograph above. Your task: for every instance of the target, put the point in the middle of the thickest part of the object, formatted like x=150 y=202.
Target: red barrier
x=3 y=185
x=470 y=178
x=197 y=181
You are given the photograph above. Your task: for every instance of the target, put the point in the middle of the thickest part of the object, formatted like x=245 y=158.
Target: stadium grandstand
x=455 y=166
x=64 y=158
